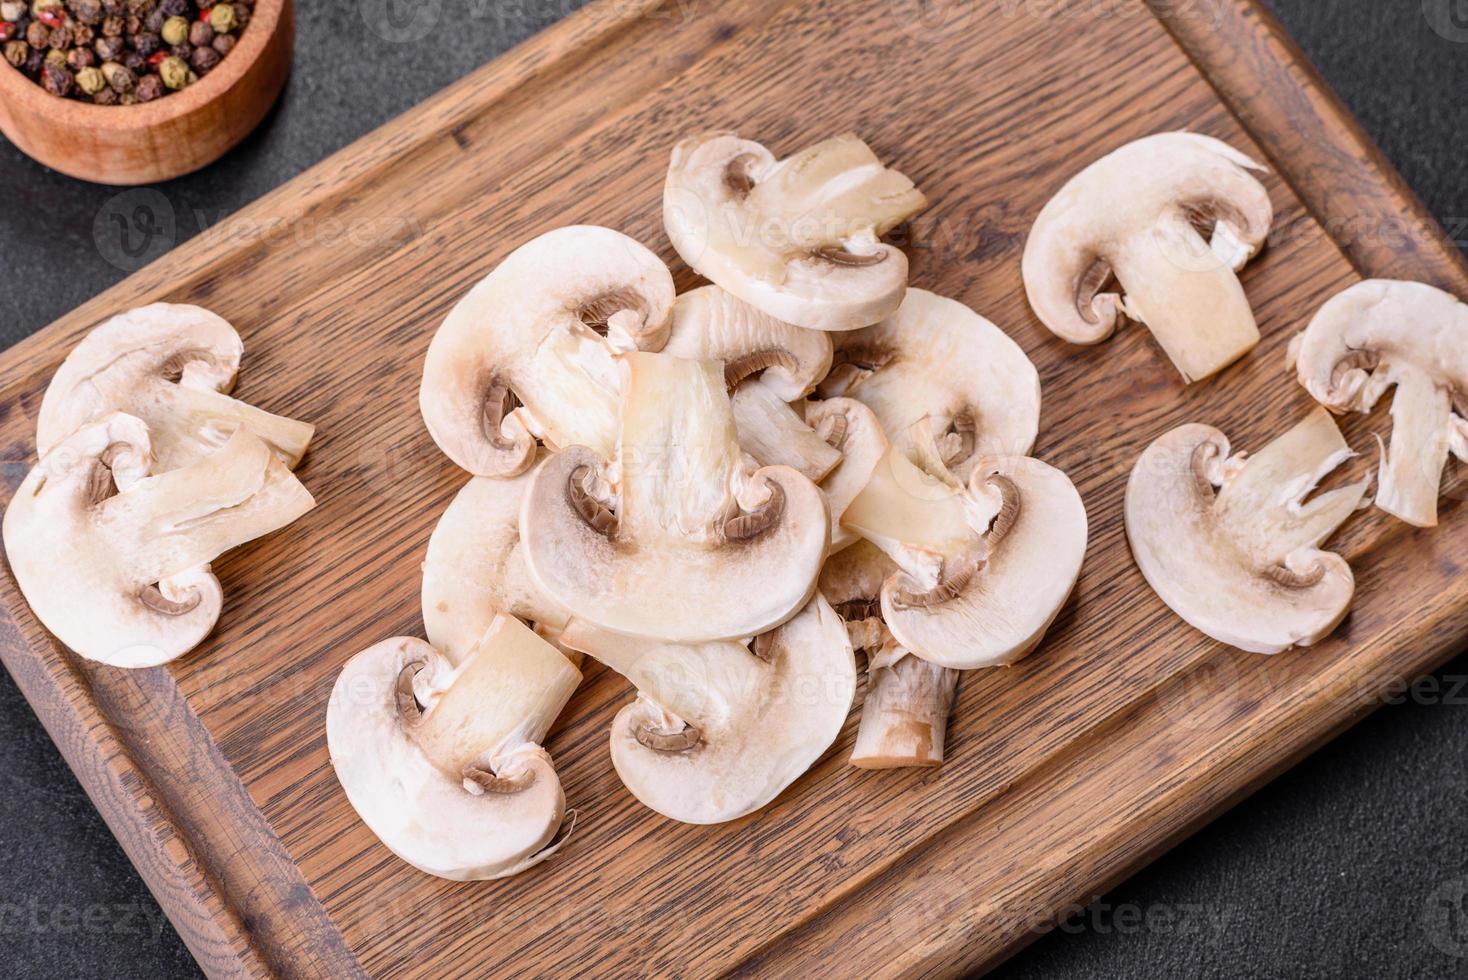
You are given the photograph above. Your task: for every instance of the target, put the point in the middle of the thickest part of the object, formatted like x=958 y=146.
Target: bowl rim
x=27 y=97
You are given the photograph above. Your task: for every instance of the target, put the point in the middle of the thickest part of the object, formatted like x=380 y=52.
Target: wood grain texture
x=162 y=139
x=1064 y=773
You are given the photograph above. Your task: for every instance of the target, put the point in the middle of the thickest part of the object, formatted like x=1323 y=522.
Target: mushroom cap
x=1383 y=333
x=172 y=366
x=475 y=568
x=699 y=548
x=540 y=331
x=1132 y=214
x=429 y=817
x=853 y=429
x=797 y=238
x=115 y=562
x=712 y=324
x=1244 y=565
x=760 y=723
x=1027 y=568
x=937 y=359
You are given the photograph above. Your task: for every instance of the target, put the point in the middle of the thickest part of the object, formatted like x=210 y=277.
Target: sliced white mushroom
x=539 y=332
x=1381 y=334
x=1244 y=565
x=675 y=538
x=710 y=324
x=172 y=366
x=443 y=762
x=475 y=568
x=904 y=716
x=719 y=730
x=985 y=568
x=853 y=429
x=1171 y=218
x=115 y=562
x=774 y=432
x=937 y=359
x=798 y=238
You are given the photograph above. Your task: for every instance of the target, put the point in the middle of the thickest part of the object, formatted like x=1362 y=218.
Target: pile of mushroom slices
x=148 y=471
x=718 y=495
x=1230 y=542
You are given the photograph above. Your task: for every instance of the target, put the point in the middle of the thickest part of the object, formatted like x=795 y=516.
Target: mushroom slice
x=443 y=762
x=475 y=568
x=852 y=428
x=937 y=359
x=798 y=238
x=678 y=540
x=904 y=716
x=1140 y=216
x=772 y=431
x=1244 y=565
x=984 y=568
x=115 y=562
x=1384 y=333
x=716 y=731
x=528 y=352
x=711 y=324
x=172 y=366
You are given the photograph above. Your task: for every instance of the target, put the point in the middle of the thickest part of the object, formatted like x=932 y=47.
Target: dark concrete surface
x=1353 y=865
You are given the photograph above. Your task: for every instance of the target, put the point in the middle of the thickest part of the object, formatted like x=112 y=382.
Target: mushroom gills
x=1244 y=565
x=443 y=763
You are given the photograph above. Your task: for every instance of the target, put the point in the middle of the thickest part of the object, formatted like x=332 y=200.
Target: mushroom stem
x=502 y=699
x=1188 y=296
x=200 y=420
x=773 y=433
x=1411 y=471
x=904 y=718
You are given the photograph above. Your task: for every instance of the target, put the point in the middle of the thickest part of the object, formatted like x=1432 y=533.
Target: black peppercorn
x=201 y=34
x=114 y=8
x=109 y=48
x=145 y=44
x=79 y=58
x=181 y=51
x=204 y=59
x=140 y=8
x=38 y=35
x=86 y=11
x=105 y=97
x=16 y=52
x=82 y=35
x=134 y=62
x=242 y=15
x=153 y=22
x=224 y=43
x=149 y=88
x=57 y=81
x=60 y=38
x=113 y=26
x=174 y=8
x=33 y=62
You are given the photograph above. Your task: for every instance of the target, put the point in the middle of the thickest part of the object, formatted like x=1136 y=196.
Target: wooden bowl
x=172 y=135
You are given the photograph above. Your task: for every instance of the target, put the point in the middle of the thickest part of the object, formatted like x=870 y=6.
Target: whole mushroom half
x=798 y=238
x=719 y=729
x=171 y=366
x=936 y=359
x=115 y=562
x=675 y=538
x=1381 y=334
x=1135 y=216
x=985 y=567
x=904 y=716
x=528 y=353
x=475 y=568
x=443 y=761
x=1244 y=564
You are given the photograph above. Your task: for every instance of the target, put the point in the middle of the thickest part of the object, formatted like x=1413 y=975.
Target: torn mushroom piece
x=938 y=360
x=115 y=562
x=528 y=353
x=904 y=716
x=1171 y=218
x=676 y=538
x=443 y=762
x=1381 y=334
x=798 y=238
x=710 y=324
x=475 y=568
x=851 y=428
x=985 y=568
x=1244 y=564
x=171 y=366
x=719 y=729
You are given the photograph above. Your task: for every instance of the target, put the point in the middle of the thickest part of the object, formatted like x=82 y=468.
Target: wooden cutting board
x=1124 y=732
